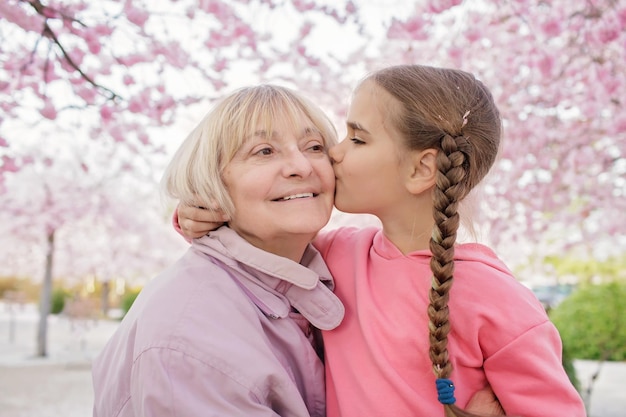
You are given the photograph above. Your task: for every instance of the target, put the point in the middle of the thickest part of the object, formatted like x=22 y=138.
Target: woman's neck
x=292 y=248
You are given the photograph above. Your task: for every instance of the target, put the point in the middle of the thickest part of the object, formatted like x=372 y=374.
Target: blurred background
x=96 y=96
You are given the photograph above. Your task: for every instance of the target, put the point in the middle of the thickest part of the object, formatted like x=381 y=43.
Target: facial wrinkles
x=281 y=143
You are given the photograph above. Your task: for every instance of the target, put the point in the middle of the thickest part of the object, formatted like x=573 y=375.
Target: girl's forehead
x=372 y=93
x=369 y=103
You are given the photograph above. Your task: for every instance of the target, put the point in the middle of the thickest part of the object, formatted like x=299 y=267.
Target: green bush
x=568 y=365
x=128 y=299
x=59 y=295
x=592 y=322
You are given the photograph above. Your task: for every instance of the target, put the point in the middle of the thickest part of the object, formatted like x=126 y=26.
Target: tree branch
x=49 y=33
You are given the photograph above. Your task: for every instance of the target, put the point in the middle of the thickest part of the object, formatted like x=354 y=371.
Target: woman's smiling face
x=281 y=183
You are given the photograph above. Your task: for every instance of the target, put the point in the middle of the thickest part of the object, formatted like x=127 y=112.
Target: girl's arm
x=194 y=222
x=528 y=377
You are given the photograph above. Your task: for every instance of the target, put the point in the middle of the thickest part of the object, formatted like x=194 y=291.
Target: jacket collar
x=274 y=283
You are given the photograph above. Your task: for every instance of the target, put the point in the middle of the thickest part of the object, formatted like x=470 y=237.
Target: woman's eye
x=357 y=141
x=264 y=152
x=317 y=148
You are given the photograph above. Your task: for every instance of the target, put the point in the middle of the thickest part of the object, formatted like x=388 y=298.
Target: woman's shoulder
x=193 y=290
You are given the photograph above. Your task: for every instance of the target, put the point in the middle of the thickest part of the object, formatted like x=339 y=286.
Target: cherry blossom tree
x=83 y=225
x=557 y=70
x=107 y=75
x=96 y=95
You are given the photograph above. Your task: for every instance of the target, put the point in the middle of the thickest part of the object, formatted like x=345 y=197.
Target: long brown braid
x=451 y=111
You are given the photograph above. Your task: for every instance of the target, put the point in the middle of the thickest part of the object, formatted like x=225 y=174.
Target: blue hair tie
x=445 y=391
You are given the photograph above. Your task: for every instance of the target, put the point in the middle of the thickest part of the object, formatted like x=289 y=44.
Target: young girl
x=417 y=304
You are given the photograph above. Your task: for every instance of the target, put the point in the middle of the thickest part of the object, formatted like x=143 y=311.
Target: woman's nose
x=298 y=164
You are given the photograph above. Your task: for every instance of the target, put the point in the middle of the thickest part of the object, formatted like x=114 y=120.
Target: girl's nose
x=335 y=154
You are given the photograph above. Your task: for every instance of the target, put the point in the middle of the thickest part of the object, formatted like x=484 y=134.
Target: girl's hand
x=195 y=222
x=485 y=403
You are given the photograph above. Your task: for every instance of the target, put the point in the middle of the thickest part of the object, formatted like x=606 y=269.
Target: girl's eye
x=357 y=141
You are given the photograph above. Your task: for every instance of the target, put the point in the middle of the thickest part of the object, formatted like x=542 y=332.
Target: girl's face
x=368 y=163
x=282 y=185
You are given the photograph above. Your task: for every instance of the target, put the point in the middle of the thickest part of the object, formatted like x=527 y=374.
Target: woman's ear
x=423 y=171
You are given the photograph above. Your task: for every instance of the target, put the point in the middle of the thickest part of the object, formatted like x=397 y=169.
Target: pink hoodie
x=377 y=360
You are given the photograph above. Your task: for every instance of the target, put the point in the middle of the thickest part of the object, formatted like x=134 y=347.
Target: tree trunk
x=106 y=289
x=45 y=299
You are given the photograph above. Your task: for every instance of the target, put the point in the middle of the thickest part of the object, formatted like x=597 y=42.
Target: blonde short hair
x=194 y=175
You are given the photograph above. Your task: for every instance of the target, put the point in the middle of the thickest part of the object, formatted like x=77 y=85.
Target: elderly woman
x=226 y=330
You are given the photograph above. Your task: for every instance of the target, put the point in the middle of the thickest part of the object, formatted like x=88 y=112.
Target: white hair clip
x=465 y=118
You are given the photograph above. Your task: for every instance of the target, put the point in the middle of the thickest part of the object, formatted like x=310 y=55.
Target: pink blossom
x=128 y=79
x=132 y=59
x=87 y=93
x=305 y=30
x=93 y=42
x=216 y=8
x=473 y=34
x=414 y=28
x=106 y=113
x=218 y=84
x=620 y=124
x=242 y=31
x=313 y=62
x=174 y=54
x=136 y=105
x=545 y=65
x=551 y=28
x=303 y=6
x=621 y=18
x=50 y=13
x=50 y=74
x=608 y=34
x=117 y=134
x=103 y=30
x=77 y=56
x=456 y=55
x=8 y=164
x=48 y=111
x=438 y=6
x=3 y=143
x=143 y=138
x=137 y=16
x=351 y=7
x=610 y=83
x=30 y=22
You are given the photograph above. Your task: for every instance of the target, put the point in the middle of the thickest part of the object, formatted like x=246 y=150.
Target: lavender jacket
x=223 y=332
